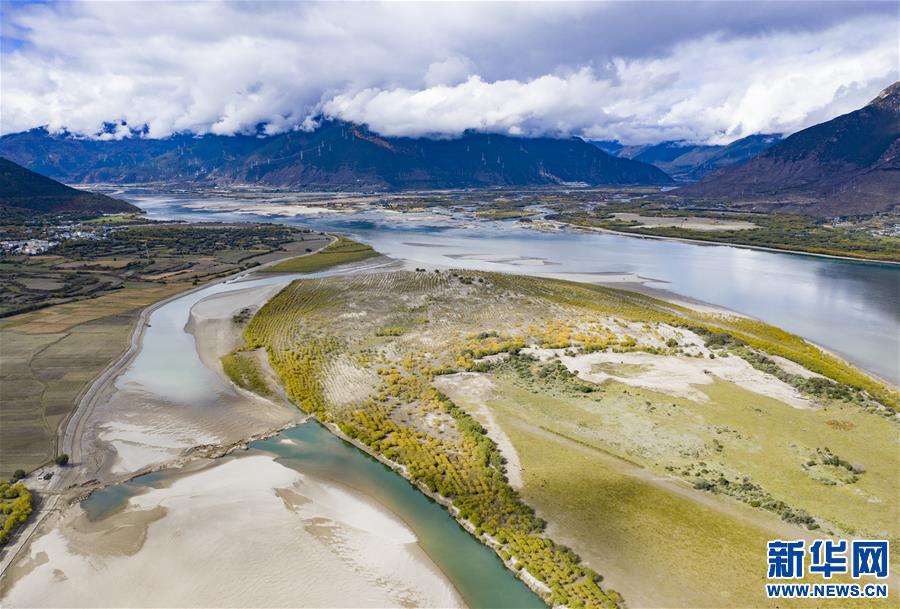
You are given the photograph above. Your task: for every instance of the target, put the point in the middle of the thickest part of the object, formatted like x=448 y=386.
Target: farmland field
x=56 y=346
x=340 y=251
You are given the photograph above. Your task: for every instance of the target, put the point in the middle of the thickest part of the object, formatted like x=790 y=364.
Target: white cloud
x=450 y=71
x=640 y=73
x=711 y=90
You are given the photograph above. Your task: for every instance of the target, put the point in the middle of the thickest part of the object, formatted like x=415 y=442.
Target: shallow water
x=111 y=499
x=479 y=576
x=169 y=367
x=168 y=364
x=848 y=307
x=476 y=572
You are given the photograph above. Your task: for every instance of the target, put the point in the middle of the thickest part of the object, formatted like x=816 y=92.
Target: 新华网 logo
x=826 y=558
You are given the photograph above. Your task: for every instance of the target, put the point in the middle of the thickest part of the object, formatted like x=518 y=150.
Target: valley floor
x=606 y=444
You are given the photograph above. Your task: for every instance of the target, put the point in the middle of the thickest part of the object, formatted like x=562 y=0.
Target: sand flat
x=686 y=222
x=334 y=549
x=676 y=375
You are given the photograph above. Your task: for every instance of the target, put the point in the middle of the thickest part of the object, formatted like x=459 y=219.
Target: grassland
x=777 y=231
x=660 y=547
x=115 y=219
x=634 y=477
x=49 y=355
x=761 y=446
x=503 y=214
x=341 y=251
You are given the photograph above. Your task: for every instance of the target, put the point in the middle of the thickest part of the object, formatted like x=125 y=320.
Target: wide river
x=169 y=367
x=848 y=307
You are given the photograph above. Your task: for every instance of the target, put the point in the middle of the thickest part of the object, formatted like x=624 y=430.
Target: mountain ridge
x=686 y=162
x=335 y=155
x=848 y=165
x=23 y=191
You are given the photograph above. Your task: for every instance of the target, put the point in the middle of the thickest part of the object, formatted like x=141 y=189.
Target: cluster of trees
x=551 y=376
x=554 y=335
x=147 y=241
x=817 y=386
x=744 y=489
x=390 y=331
x=484 y=344
x=22 y=291
x=277 y=324
x=301 y=370
x=468 y=469
x=465 y=467
x=15 y=507
x=746 y=336
x=596 y=337
x=572 y=584
x=244 y=372
x=590 y=298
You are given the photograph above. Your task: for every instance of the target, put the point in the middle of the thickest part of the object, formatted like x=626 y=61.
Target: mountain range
x=24 y=193
x=687 y=162
x=337 y=155
x=848 y=165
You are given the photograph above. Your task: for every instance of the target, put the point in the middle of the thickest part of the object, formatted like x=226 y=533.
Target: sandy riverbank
x=304 y=542
x=153 y=414
x=213 y=328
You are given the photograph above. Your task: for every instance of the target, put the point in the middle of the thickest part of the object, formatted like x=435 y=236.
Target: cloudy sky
x=640 y=72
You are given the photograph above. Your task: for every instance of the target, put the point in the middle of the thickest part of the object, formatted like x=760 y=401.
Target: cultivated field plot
x=45 y=366
x=651 y=439
x=341 y=251
x=82 y=303
x=158 y=253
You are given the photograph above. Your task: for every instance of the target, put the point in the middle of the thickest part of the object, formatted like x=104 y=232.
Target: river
x=169 y=367
x=848 y=307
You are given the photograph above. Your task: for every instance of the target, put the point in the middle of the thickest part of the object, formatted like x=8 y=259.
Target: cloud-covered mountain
x=850 y=164
x=24 y=193
x=639 y=72
x=335 y=155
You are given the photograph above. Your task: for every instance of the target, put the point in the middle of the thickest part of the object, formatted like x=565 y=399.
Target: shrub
x=16 y=507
